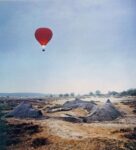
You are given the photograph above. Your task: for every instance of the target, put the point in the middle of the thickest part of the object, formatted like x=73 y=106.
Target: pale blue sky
x=93 y=46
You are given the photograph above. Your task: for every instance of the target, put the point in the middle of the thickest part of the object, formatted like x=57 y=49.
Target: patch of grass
x=5 y=107
x=3 y=137
x=15 y=132
x=125 y=130
x=3 y=130
x=131 y=135
x=134 y=111
x=20 y=129
x=130 y=145
x=37 y=142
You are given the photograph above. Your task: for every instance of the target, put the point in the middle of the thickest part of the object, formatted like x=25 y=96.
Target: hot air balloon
x=43 y=36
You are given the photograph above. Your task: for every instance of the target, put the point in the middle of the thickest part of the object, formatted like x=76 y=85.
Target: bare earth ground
x=63 y=135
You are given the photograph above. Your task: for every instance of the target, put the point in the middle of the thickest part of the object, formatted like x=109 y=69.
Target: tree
x=60 y=95
x=51 y=95
x=72 y=94
x=66 y=95
x=131 y=92
x=112 y=93
x=91 y=94
x=97 y=92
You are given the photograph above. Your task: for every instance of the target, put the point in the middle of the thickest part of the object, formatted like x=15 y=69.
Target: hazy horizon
x=65 y=92
x=93 y=46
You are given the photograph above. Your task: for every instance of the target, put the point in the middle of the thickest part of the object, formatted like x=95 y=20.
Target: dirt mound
x=89 y=106
x=106 y=113
x=24 y=110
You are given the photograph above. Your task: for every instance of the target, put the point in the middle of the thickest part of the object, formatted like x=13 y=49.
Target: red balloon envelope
x=43 y=35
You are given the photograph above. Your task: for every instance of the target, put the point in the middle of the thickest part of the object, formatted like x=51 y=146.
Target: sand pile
x=77 y=103
x=24 y=110
x=107 y=112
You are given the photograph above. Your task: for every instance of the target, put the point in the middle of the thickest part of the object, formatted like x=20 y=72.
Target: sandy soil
x=65 y=135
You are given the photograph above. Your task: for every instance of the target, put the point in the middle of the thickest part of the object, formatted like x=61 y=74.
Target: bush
x=3 y=130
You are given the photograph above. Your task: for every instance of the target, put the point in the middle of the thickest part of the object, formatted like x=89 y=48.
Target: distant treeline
x=129 y=92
